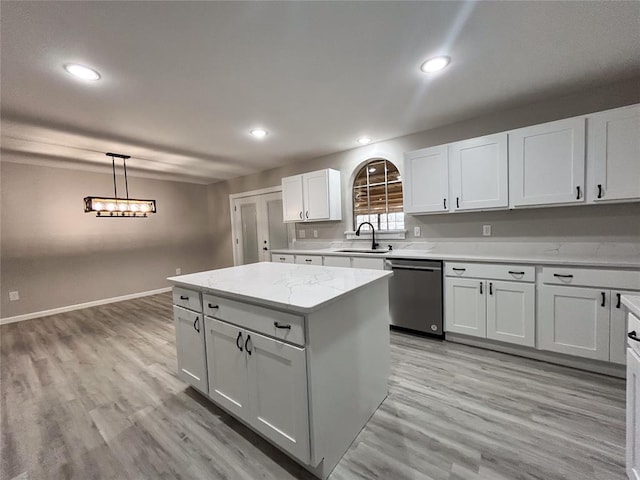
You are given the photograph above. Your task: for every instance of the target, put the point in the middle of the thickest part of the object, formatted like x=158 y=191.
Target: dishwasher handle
x=395 y=266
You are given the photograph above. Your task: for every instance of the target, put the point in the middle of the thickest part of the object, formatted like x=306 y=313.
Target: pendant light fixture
x=120 y=207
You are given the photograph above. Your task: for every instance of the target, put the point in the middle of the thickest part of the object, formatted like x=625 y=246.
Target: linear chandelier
x=117 y=207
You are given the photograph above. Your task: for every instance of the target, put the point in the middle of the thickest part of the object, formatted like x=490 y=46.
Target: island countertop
x=298 y=288
x=632 y=302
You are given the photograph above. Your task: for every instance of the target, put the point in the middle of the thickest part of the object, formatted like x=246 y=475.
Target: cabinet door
x=192 y=367
x=479 y=173
x=292 y=199
x=618 y=329
x=227 y=366
x=426 y=184
x=613 y=155
x=465 y=309
x=278 y=392
x=316 y=195
x=633 y=415
x=546 y=163
x=337 y=261
x=574 y=321
x=511 y=312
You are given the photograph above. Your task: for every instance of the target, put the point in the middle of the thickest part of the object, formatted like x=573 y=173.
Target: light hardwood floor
x=93 y=394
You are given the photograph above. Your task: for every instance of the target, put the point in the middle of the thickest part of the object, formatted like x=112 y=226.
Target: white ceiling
x=183 y=82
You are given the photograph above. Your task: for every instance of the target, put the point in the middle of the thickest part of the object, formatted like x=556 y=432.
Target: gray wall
x=56 y=255
x=581 y=223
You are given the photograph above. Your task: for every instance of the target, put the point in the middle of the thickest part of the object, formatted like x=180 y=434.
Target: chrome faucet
x=373 y=234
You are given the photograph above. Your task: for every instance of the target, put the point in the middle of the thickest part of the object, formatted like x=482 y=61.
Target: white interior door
x=258 y=227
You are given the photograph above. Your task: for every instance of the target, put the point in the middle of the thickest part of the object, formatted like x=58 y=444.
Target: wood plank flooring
x=92 y=394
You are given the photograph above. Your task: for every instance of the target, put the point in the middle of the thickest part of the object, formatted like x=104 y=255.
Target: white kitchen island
x=298 y=353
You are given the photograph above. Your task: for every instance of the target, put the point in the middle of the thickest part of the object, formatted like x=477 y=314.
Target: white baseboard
x=79 y=306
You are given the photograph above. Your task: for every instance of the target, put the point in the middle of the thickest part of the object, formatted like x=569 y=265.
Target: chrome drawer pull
x=285 y=327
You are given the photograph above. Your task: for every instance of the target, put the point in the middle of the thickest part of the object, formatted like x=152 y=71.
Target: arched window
x=377 y=196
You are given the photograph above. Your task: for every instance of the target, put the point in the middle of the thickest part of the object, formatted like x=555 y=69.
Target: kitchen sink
x=361 y=250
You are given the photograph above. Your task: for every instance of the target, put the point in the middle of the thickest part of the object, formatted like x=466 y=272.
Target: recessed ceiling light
x=258 y=132
x=435 y=64
x=364 y=140
x=81 y=72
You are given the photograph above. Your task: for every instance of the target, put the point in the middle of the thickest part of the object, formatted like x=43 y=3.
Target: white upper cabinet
x=426 y=182
x=613 y=155
x=292 y=199
x=479 y=178
x=312 y=196
x=547 y=164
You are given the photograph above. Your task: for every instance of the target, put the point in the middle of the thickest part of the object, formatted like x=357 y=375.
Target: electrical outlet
x=416 y=231
x=14 y=296
x=486 y=230
x=315 y=234
x=178 y=271
x=301 y=234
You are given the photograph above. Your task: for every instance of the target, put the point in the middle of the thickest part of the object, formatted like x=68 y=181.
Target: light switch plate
x=301 y=234
x=14 y=296
x=486 y=230
x=416 y=231
x=178 y=271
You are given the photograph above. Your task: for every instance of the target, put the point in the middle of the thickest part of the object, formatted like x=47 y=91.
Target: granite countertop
x=539 y=258
x=297 y=288
x=632 y=302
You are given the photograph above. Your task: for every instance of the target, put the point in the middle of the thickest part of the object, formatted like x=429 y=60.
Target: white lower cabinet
x=308 y=259
x=282 y=258
x=633 y=415
x=465 y=307
x=511 y=312
x=190 y=346
x=494 y=309
x=617 y=329
x=262 y=381
x=574 y=321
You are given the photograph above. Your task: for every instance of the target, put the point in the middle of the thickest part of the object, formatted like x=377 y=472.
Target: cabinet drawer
x=516 y=273
x=280 y=325
x=337 y=261
x=586 y=277
x=186 y=298
x=309 y=259
x=282 y=258
x=366 y=262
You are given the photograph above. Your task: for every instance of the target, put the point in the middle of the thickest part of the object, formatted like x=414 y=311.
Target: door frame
x=234 y=227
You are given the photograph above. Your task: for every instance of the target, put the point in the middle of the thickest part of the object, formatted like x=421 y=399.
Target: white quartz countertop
x=551 y=258
x=632 y=302
x=298 y=288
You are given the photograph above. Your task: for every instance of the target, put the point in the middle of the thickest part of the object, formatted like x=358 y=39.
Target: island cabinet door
x=192 y=368
x=279 y=407
x=633 y=415
x=227 y=366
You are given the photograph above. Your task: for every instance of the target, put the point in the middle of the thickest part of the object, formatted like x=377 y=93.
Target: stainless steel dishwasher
x=415 y=295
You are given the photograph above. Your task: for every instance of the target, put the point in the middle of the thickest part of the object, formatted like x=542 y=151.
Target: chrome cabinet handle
x=285 y=327
x=239 y=338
